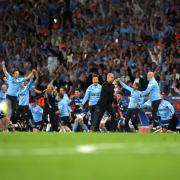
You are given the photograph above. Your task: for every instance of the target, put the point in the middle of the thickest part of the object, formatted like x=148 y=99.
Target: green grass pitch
x=59 y=156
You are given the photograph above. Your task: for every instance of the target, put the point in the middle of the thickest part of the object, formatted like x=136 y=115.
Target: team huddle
x=103 y=108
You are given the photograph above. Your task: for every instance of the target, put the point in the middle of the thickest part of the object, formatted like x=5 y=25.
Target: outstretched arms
x=30 y=75
x=4 y=69
x=118 y=81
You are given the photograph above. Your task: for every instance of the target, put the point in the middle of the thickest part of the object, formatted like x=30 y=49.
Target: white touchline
x=120 y=148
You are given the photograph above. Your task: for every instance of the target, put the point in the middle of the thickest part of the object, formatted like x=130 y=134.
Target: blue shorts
x=37 y=125
x=165 y=123
x=65 y=120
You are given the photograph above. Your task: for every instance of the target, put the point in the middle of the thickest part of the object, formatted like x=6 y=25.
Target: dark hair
x=61 y=95
x=14 y=71
x=77 y=89
x=137 y=85
x=95 y=75
x=33 y=100
x=62 y=87
x=3 y=84
x=120 y=92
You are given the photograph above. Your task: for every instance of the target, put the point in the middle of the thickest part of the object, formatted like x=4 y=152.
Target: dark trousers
x=173 y=123
x=53 y=120
x=98 y=114
x=14 y=104
x=92 y=110
x=23 y=115
x=155 y=106
x=133 y=115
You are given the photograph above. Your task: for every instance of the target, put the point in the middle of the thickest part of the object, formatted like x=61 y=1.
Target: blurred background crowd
x=67 y=41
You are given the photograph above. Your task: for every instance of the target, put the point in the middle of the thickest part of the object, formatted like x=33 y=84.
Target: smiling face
x=49 y=88
x=95 y=80
x=77 y=93
x=16 y=74
x=33 y=104
x=62 y=90
x=110 y=78
x=4 y=88
x=150 y=75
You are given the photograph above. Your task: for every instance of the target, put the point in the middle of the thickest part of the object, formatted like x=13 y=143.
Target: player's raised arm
x=30 y=75
x=119 y=82
x=4 y=69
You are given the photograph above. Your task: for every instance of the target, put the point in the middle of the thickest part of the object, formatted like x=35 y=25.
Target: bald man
x=105 y=103
x=154 y=91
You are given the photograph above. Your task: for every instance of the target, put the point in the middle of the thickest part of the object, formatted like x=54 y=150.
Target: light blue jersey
x=147 y=105
x=37 y=113
x=135 y=99
x=93 y=93
x=63 y=106
x=65 y=97
x=23 y=94
x=2 y=96
x=165 y=110
x=152 y=89
x=13 y=85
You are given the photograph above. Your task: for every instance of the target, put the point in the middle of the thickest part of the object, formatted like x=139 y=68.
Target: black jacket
x=107 y=94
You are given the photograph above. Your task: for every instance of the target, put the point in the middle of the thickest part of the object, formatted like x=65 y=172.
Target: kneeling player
x=37 y=113
x=166 y=112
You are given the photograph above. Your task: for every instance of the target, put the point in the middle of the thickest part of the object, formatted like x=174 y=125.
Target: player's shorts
x=65 y=120
x=37 y=125
x=165 y=123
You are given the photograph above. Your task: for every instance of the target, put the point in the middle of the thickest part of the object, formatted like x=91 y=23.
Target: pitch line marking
x=119 y=148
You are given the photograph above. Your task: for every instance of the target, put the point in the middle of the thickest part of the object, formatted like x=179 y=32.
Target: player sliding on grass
x=134 y=104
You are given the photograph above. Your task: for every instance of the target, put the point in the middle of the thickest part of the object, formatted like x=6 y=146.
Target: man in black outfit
x=105 y=103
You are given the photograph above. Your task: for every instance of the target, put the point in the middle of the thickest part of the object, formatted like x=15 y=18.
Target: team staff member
x=134 y=105
x=13 y=83
x=92 y=95
x=105 y=103
x=49 y=95
x=154 y=91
